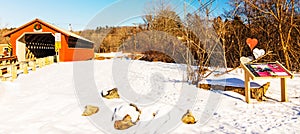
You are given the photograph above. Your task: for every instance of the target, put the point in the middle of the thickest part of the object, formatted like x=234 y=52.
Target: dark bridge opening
x=40 y=45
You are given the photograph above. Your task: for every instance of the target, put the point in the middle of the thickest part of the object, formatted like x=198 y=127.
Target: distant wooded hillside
x=275 y=24
x=109 y=39
x=2 y=32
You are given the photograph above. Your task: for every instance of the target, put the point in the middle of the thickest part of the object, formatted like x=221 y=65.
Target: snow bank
x=47 y=101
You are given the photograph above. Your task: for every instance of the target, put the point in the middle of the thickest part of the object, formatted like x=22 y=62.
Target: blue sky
x=79 y=13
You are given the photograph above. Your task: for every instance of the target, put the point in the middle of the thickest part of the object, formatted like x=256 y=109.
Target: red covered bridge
x=38 y=37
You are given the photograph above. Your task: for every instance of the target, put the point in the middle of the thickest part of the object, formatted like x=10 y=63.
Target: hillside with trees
x=109 y=39
x=275 y=23
x=188 y=38
x=2 y=32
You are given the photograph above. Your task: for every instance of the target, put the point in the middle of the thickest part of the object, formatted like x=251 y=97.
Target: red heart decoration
x=251 y=43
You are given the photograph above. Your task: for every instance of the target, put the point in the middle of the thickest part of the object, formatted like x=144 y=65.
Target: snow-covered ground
x=52 y=99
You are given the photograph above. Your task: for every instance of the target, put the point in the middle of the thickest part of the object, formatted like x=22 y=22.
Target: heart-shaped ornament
x=258 y=53
x=251 y=42
x=245 y=59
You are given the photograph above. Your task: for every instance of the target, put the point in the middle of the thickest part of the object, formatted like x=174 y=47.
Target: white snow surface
x=49 y=100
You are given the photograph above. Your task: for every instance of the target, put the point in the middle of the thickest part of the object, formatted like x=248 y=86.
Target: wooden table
x=269 y=70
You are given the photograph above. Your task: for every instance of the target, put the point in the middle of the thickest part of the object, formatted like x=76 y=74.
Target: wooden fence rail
x=10 y=67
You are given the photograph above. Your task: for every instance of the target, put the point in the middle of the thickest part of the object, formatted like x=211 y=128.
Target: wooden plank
x=12 y=58
x=3 y=71
x=271 y=77
x=11 y=70
x=290 y=73
x=246 y=70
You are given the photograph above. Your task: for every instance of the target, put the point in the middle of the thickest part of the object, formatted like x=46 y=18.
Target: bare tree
x=275 y=24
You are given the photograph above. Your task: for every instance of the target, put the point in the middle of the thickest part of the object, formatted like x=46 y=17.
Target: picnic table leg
x=247 y=87
x=283 y=90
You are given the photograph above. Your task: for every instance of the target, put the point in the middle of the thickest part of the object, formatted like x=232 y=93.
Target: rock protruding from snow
x=90 y=110
x=111 y=94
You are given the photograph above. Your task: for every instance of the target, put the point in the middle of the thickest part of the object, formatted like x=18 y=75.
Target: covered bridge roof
x=55 y=28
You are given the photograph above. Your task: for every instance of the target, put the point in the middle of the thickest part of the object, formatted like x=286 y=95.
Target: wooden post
x=3 y=79
x=14 y=72
x=43 y=62
x=46 y=60
x=51 y=59
x=32 y=65
x=57 y=57
x=284 y=97
x=40 y=63
x=36 y=62
x=21 y=65
x=247 y=87
x=25 y=68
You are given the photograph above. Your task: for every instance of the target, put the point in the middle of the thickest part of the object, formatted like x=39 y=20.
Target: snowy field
x=52 y=99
